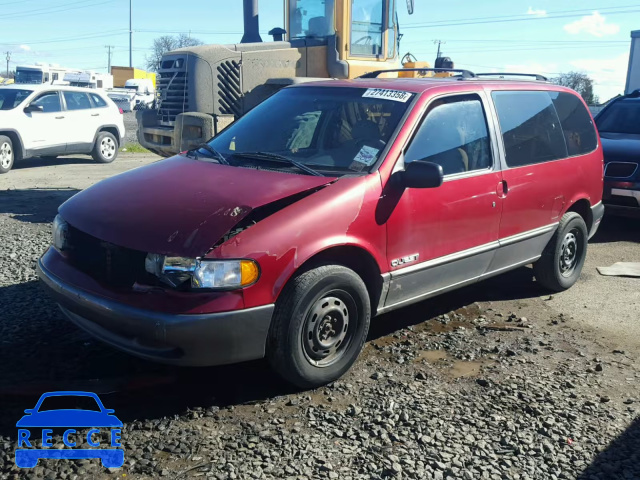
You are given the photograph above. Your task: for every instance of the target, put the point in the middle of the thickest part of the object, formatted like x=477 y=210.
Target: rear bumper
x=194 y=340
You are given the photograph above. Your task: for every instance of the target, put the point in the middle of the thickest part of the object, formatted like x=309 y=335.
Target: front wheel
x=105 y=149
x=7 y=155
x=320 y=323
x=563 y=257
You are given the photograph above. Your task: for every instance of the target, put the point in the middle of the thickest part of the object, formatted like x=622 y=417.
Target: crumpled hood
x=179 y=206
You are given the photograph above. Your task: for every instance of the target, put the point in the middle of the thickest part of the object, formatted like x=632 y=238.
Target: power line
x=528 y=16
x=55 y=9
x=453 y=23
x=512 y=41
x=74 y=38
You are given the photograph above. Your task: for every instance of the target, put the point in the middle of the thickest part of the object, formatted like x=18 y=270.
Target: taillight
x=121 y=111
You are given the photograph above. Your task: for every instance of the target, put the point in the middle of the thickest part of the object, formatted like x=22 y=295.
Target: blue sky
x=540 y=36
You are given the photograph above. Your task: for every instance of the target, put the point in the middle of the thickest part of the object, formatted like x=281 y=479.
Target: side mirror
x=410 y=6
x=421 y=174
x=33 y=108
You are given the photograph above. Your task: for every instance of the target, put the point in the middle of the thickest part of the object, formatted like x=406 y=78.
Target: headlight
x=202 y=273
x=60 y=233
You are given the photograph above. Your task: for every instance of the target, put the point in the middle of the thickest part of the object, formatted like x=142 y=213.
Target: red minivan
x=327 y=204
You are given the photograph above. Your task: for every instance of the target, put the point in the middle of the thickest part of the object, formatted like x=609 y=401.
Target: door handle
x=58 y=118
x=502 y=189
x=95 y=114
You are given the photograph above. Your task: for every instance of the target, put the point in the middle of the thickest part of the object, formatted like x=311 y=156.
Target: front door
x=446 y=236
x=44 y=132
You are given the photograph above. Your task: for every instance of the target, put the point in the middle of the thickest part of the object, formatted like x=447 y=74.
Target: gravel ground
x=495 y=381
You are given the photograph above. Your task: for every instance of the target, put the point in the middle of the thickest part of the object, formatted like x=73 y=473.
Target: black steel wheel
x=320 y=323
x=561 y=263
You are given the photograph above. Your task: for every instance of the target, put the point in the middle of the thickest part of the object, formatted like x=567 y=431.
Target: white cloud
x=26 y=48
x=537 y=12
x=609 y=75
x=594 y=24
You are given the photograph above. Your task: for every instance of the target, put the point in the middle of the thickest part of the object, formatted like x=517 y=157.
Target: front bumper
x=622 y=199
x=193 y=340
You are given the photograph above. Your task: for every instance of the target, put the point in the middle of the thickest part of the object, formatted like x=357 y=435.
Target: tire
x=7 y=154
x=105 y=149
x=311 y=341
x=563 y=257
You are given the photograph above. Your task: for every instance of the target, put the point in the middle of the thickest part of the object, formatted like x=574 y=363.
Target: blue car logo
x=38 y=423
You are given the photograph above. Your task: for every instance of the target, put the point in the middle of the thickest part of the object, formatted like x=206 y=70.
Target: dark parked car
x=325 y=205
x=619 y=126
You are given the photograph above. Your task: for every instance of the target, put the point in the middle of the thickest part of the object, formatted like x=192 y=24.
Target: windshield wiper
x=216 y=154
x=275 y=157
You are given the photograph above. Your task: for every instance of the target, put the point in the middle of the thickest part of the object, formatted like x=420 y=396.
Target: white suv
x=50 y=120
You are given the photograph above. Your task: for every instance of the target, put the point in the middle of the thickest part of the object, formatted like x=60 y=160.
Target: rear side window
x=77 y=100
x=530 y=127
x=98 y=101
x=577 y=126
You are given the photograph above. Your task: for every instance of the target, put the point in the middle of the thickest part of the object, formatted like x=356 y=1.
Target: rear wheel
x=319 y=326
x=105 y=149
x=563 y=258
x=7 y=155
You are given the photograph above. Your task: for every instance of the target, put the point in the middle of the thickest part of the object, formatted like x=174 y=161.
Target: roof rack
x=463 y=73
x=538 y=77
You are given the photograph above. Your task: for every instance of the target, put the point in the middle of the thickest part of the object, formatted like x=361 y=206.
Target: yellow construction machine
x=203 y=89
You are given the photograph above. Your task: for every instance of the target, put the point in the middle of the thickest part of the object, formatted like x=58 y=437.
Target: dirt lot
x=499 y=380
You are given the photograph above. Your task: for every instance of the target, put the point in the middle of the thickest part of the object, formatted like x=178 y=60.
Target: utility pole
x=438 y=42
x=8 y=58
x=130 y=38
x=109 y=47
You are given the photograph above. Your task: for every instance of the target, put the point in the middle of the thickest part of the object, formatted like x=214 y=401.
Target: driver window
x=454 y=135
x=366 y=27
x=50 y=102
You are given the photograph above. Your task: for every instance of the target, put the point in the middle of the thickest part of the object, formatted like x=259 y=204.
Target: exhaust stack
x=251 y=22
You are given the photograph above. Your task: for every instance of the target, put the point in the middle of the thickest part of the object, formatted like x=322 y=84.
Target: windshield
x=29 y=76
x=622 y=116
x=12 y=97
x=342 y=130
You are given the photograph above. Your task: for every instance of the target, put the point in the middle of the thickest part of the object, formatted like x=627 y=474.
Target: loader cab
x=359 y=34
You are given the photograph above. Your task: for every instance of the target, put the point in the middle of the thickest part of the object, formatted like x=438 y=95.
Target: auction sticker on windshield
x=395 y=95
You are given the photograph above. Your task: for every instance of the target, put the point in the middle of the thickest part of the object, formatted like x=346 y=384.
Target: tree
x=581 y=83
x=166 y=43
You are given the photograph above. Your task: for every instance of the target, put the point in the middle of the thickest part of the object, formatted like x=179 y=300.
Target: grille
x=229 y=89
x=620 y=169
x=105 y=262
x=174 y=95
